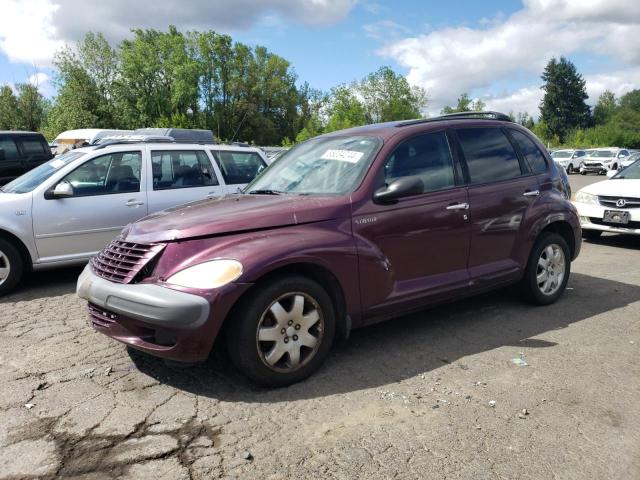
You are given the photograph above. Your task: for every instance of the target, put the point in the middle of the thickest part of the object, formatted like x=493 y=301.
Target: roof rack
x=124 y=139
x=487 y=115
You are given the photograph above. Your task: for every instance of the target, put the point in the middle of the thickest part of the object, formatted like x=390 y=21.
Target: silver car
x=64 y=211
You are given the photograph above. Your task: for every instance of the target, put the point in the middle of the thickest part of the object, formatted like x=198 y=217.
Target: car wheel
x=591 y=234
x=283 y=332
x=547 y=270
x=569 y=169
x=582 y=172
x=11 y=266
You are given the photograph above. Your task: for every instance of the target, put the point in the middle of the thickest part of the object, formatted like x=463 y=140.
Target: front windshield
x=632 y=172
x=30 y=180
x=320 y=166
x=564 y=154
x=603 y=154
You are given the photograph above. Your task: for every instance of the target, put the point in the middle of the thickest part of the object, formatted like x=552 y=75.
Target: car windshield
x=632 y=172
x=603 y=154
x=564 y=154
x=320 y=166
x=30 y=180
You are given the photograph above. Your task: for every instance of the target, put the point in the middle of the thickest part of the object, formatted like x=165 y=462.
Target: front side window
x=427 y=157
x=117 y=172
x=239 y=167
x=331 y=165
x=531 y=153
x=181 y=169
x=8 y=149
x=489 y=155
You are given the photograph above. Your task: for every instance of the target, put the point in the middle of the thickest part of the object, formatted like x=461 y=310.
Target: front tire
x=548 y=269
x=283 y=331
x=11 y=266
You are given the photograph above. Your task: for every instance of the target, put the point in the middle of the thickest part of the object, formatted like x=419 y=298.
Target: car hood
x=235 y=213
x=614 y=188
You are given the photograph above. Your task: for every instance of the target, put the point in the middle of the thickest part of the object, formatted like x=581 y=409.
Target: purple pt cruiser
x=344 y=230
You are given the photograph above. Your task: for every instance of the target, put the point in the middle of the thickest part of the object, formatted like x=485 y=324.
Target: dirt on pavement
x=439 y=394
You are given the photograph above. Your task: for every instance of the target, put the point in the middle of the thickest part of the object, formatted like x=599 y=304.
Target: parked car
x=64 y=211
x=602 y=160
x=71 y=139
x=345 y=230
x=632 y=158
x=612 y=205
x=20 y=152
x=570 y=160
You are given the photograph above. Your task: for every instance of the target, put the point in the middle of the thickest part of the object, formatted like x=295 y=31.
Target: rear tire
x=283 y=331
x=582 y=172
x=591 y=234
x=11 y=266
x=548 y=269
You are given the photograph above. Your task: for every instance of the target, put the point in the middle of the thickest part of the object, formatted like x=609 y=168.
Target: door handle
x=134 y=203
x=212 y=194
x=458 y=206
x=531 y=193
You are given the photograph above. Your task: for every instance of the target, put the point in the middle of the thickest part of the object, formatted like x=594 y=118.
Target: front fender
x=16 y=220
x=327 y=244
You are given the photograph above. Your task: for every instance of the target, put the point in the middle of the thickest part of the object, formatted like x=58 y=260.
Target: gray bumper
x=151 y=304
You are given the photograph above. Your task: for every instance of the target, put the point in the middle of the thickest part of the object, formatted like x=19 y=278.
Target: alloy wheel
x=5 y=267
x=551 y=269
x=290 y=332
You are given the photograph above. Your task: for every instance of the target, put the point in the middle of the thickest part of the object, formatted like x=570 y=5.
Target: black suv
x=20 y=152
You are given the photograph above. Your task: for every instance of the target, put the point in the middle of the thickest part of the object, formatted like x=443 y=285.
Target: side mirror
x=400 y=188
x=63 y=190
x=612 y=173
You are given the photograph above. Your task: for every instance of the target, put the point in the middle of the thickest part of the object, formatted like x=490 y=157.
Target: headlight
x=207 y=275
x=582 y=197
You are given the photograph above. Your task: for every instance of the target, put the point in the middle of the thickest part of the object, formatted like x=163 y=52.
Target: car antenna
x=238 y=129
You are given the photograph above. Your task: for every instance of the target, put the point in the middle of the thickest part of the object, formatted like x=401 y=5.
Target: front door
x=107 y=197
x=501 y=192
x=414 y=250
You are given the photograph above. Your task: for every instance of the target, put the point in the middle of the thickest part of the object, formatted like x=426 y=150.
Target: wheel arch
x=22 y=248
x=565 y=230
x=317 y=272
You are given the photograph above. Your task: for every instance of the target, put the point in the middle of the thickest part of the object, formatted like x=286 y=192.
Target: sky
x=494 y=50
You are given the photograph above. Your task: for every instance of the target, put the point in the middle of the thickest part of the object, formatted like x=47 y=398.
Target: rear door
x=34 y=151
x=10 y=164
x=502 y=191
x=180 y=176
x=238 y=167
x=107 y=197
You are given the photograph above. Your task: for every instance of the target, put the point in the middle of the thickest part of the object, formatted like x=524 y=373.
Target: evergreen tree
x=563 y=107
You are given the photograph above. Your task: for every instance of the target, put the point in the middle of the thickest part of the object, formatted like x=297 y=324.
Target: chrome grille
x=121 y=261
x=612 y=202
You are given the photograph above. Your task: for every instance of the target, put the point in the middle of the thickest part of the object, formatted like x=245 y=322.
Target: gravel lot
x=410 y=398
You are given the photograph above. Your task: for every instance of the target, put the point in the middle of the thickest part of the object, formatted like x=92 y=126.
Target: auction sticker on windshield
x=350 y=156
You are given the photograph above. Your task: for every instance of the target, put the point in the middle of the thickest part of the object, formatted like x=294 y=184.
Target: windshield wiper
x=266 y=192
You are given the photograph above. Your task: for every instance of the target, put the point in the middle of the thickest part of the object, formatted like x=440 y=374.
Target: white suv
x=570 y=160
x=601 y=160
x=66 y=210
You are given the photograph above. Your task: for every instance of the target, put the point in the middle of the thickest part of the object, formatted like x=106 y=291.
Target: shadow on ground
x=410 y=345
x=617 y=241
x=44 y=284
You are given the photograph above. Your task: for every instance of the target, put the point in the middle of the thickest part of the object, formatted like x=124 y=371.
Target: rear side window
x=8 y=147
x=489 y=154
x=427 y=157
x=181 y=169
x=239 y=167
x=531 y=153
x=33 y=146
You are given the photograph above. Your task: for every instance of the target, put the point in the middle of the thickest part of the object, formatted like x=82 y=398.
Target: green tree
x=563 y=106
x=9 y=117
x=605 y=107
x=31 y=107
x=524 y=119
x=464 y=104
x=387 y=96
x=344 y=110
